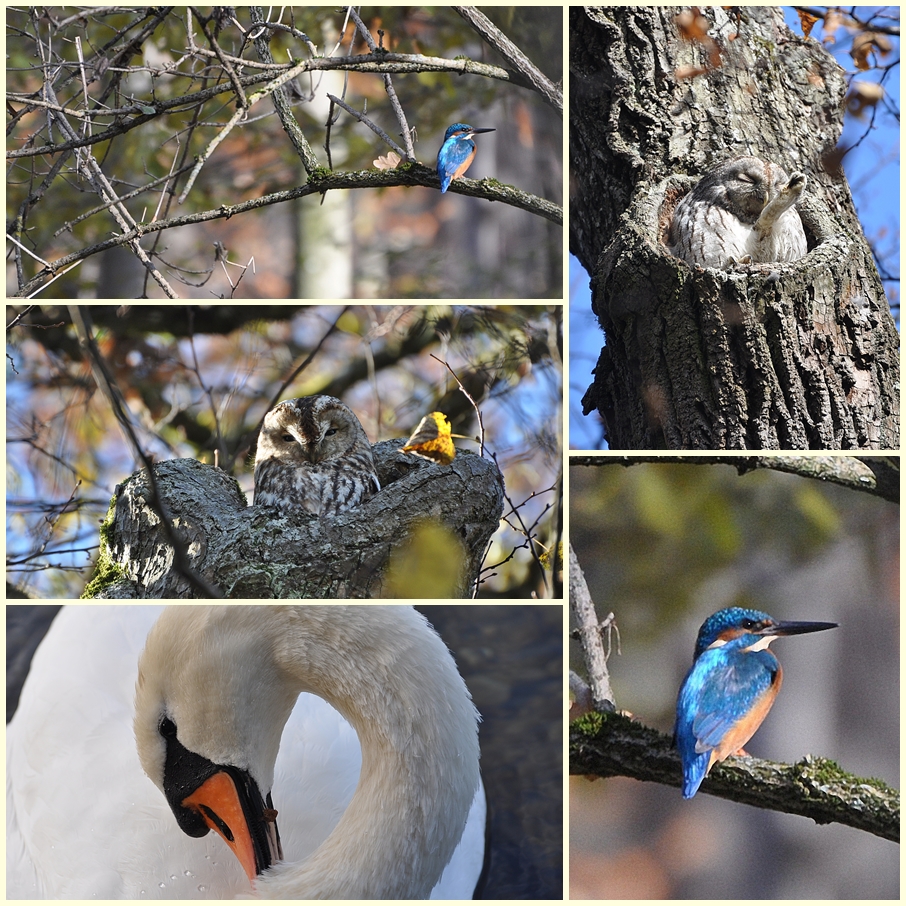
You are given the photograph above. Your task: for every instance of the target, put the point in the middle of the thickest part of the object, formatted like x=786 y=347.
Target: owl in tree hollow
x=742 y=212
x=314 y=456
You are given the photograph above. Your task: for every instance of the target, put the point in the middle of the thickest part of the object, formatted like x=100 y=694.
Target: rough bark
x=255 y=552
x=795 y=356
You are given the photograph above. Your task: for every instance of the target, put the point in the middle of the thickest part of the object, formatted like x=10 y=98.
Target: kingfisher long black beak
x=795 y=628
x=476 y=131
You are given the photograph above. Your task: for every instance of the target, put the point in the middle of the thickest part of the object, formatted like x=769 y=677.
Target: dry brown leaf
x=692 y=26
x=807 y=21
x=389 y=161
x=815 y=78
x=863 y=95
x=689 y=72
x=864 y=44
x=832 y=21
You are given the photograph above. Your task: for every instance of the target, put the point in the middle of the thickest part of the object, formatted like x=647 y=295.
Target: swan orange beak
x=220 y=804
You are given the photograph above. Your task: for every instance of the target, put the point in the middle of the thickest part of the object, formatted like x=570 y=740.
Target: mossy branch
x=613 y=745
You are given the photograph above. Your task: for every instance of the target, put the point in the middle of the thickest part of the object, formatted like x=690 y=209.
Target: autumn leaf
x=389 y=161
x=432 y=439
x=693 y=28
x=807 y=21
x=864 y=44
x=863 y=95
x=689 y=72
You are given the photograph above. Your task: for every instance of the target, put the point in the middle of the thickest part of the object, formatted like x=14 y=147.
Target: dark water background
x=511 y=657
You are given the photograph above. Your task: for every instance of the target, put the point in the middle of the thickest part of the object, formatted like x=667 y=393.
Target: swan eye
x=167 y=728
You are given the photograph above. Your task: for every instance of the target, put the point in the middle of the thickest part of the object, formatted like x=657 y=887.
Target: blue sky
x=873 y=171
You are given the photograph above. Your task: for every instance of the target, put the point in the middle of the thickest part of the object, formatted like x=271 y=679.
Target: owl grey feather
x=313 y=456
x=742 y=212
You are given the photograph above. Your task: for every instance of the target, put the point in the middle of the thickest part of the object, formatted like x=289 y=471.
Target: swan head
x=216 y=686
x=210 y=706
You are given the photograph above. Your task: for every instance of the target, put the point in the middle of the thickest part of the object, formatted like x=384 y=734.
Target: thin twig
x=468 y=396
x=590 y=636
x=221 y=56
x=405 y=132
x=371 y=125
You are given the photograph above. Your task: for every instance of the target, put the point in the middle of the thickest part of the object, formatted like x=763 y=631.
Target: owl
x=313 y=456
x=742 y=212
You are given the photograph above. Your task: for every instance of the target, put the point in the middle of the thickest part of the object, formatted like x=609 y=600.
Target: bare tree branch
x=611 y=745
x=877 y=475
x=499 y=41
x=589 y=630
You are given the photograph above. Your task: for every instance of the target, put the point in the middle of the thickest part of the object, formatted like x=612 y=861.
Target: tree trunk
x=782 y=356
x=256 y=552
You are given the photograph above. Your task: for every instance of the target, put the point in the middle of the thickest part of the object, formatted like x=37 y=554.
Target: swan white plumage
x=84 y=822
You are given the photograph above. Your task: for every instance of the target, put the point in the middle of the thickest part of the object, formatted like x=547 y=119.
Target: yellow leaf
x=432 y=439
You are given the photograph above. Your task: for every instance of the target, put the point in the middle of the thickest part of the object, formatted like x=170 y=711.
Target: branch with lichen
x=613 y=745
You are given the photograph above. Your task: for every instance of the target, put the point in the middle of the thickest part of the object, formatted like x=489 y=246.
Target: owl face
x=748 y=183
x=313 y=457
x=311 y=429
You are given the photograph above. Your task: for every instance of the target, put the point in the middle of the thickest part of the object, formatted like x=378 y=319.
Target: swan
x=373 y=790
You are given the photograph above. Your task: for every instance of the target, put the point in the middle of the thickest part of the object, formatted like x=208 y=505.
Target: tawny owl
x=742 y=212
x=313 y=456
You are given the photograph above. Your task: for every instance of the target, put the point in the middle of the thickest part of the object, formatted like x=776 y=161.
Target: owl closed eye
x=313 y=456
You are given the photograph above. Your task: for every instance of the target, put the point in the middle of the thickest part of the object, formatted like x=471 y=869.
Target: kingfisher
x=456 y=153
x=730 y=689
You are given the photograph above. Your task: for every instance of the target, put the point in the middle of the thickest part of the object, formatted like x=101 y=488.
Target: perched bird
x=314 y=457
x=730 y=689
x=456 y=153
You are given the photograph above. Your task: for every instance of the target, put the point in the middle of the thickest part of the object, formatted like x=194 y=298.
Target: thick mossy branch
x=612 y=745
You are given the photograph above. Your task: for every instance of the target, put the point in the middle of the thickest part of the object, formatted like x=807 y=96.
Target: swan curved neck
x=393 y=679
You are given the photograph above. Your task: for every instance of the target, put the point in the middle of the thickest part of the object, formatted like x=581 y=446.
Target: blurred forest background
x=199 y=379
x=172 y=78
x=664 y=546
